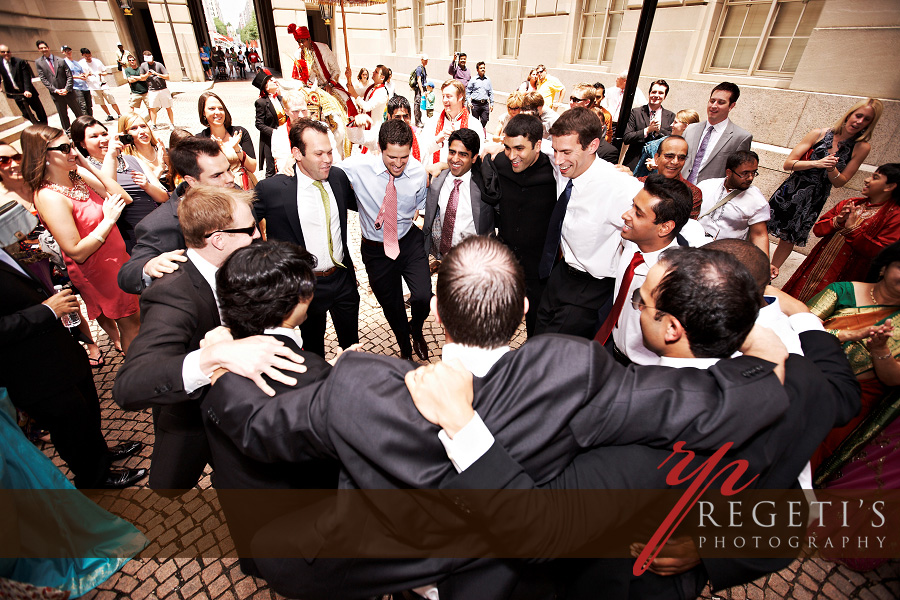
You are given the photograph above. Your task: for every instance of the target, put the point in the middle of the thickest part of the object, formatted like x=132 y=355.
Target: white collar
x=477 y=360
x=304 y=180
x=678 y=363
x=291 y=333
x=721 y=125
x=465 y=177
x=207 y=270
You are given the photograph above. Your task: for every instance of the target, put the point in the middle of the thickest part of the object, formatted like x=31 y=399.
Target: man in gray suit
x=56 y=75
x=711 y=142
x=454 y=208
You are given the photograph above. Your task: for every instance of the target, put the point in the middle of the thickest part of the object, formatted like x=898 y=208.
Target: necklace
x=872 y=294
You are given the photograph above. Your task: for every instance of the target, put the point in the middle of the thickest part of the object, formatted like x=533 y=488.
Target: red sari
x=845 y=254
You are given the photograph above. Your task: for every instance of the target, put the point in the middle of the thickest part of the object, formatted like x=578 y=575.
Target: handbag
x=15 y=223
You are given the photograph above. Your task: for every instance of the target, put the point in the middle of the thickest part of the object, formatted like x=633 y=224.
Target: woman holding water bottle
x=823 y=159
x=68 y=194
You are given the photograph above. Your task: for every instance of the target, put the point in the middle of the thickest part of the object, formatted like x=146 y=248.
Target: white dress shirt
x=291 y=333
x=7 y=65
x=654 y=116
x=718 y=129
x=192 y=375
x=733 y=219
x=312 y=222
x=592 y=227
x=627 y=332
x=612 y=100
x=464 y=224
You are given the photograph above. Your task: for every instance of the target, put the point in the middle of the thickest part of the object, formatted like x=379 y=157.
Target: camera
x=126 y=138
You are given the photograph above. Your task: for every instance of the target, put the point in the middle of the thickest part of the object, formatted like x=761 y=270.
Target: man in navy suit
x=310 y=209
x=56 y=75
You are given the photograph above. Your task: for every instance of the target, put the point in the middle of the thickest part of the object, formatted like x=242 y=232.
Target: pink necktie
x=50 y=62
x=450 y=219
x=387 y=220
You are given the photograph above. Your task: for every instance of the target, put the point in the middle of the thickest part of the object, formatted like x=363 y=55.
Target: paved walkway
x=221 y=578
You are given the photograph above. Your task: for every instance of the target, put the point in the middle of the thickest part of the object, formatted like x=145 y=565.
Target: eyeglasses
x=5 y=160
x=746 y=174
x=245 y=230
x=638 y=303
x=64 y=148
x=670 y=156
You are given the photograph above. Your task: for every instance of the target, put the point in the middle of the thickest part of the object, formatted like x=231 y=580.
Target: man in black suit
x=56 y=75
x=647 y=123
x=165 y=368
x=455 y=210
x=269 y=114
x=66 y=402
x=17 y=76
x=293 y=209
x=578 y=398
x=520 y=183
x=160 y=245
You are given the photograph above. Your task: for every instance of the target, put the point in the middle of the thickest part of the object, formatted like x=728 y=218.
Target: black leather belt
x=480 y=101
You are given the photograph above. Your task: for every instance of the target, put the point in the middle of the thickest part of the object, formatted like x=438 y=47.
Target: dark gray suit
x=482 y=213
x=59 y=77
x=638 y=120
x=732 y=139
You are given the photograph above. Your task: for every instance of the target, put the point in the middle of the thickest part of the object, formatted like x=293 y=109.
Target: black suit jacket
x=482 y=213
x=158 y=232
x=29 y=334
x=823 y=393
x=634 y=133
x=266 y=119
x=58 y=79
x=22 y=76
x=277 y=204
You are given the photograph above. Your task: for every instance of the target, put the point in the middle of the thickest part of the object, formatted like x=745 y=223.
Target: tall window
x=392 y=23
x=457 y=18
x=419 y=17
x=511 y=27
x=601 y=21
x=765 y=37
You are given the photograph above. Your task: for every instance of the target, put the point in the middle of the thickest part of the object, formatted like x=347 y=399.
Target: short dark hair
x=480 y=292
x=184 y=155
x=731 y=88
x=469 y=139
x=661 y=82
x=739 y=157
x=86 y=51
x=891 y=172
x=76 y=131
x=397 y=102
x=712 y=295
x=394 y=131
x=461 y=54
x=675 y=200
x=528 y=126
x=750 y=256
x=260 y=284
x=581 y=121
x=295 y=135
x=599 y=86
x=38 y=43
x=478 y=64
x=201 y=109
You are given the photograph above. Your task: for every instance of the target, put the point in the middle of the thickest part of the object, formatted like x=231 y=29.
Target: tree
x=221 y=29
x=250 y=30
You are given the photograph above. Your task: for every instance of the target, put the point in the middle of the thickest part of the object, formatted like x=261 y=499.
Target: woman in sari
x=853 y=233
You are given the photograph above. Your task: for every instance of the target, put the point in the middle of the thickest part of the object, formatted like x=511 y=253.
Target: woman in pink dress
x=68 y=194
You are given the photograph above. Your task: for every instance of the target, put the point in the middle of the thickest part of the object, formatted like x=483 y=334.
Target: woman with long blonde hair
x=145 y=146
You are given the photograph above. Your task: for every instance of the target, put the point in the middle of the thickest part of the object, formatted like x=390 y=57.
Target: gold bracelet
x=886 y=356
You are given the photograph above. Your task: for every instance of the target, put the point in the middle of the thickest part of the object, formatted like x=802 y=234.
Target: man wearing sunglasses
x=17 y=76
x=165 y=368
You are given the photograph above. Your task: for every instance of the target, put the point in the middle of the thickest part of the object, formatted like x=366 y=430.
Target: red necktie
x=450 y=219
x=387 y=220
x=613 y=317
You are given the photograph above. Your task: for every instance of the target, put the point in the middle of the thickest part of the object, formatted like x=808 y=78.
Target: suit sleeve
x=45 y=76
x=25 y=323
x=155 y=235
x=152 y=371
x=824 y=350
x=633 y=135
x=746 y=142
x=29 y=75
x=665 y=128
x=70 y=82
x=261 y=112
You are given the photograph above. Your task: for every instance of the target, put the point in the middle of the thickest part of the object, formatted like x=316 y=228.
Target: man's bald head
x=480 y=293
x=751 y=257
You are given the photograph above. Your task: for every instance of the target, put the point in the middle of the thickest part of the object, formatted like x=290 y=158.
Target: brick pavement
x=222 y=579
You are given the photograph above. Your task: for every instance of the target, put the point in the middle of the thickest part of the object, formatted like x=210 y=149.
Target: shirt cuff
x=468 y=445
x=805 y=322
x=191 y=374
x=55 y=316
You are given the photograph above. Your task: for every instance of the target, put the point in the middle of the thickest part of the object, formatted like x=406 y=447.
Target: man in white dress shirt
x=438 y=128
x=612 y=100
x=733 y=208
x=585 y=225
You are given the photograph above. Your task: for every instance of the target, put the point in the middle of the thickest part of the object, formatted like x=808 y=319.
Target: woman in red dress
x=68 y=194
x=853 y=233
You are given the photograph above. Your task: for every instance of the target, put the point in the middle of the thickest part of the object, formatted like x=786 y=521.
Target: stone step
x=10 y=122
x=11 y=134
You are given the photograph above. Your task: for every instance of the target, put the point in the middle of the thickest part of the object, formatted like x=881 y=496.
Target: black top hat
x=262 y=77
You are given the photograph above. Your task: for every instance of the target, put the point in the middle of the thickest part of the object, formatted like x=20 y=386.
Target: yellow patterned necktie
x=326 y=202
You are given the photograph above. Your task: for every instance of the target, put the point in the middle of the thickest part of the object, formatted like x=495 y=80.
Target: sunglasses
x=574 y=99
x=64 y=148
x=245 y=230
x=5 y=160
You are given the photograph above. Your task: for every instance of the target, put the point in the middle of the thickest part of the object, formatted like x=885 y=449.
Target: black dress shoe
x=420 y=345
x=122 y=478
x=406 y=354
x=124 y=450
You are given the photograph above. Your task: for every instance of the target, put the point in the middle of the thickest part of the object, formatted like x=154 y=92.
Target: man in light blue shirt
x=481 y=95
x=79 y=83
x=390 y=188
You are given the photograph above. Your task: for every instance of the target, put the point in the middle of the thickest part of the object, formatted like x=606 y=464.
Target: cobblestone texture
x=222 y=579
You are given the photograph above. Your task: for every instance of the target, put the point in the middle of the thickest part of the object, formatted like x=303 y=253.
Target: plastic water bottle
x=72 y=319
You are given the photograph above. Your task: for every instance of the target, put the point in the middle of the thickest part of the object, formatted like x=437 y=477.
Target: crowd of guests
x=662 y=258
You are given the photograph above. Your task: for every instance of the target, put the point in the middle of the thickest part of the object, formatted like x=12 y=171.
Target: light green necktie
x=326 y=201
